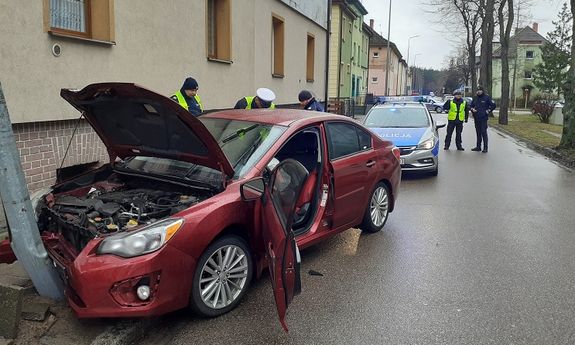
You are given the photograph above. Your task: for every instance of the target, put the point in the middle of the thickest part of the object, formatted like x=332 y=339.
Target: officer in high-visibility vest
x=188 y=97
x=263 y=99
x=457 y=112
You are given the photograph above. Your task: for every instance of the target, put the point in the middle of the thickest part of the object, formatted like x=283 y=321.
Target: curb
x=552 y=154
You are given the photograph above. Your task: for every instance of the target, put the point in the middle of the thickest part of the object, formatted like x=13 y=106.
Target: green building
x=349 y=50
x=524 y=55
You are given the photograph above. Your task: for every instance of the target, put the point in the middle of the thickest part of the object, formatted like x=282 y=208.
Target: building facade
x=378 y=65
x=348 y=55
x=54 y=44
x=524 y=55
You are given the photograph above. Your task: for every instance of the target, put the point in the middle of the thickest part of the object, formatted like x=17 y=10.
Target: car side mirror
x=439 y=124
x=253 y=189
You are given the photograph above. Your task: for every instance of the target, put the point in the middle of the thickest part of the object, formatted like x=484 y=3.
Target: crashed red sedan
x=190 y=210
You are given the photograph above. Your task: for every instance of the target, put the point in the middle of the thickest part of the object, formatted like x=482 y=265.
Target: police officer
x=308 y=101
x=481 y=107
x=263 y=99
x=457 y=112
x=188 y=97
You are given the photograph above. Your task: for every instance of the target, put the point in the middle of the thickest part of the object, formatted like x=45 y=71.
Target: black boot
x=484 y=149
x=476 y=149
x=460 y=148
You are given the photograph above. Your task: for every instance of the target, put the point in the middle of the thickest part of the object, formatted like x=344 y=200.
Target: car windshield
x=244 y=143
x=397 y=117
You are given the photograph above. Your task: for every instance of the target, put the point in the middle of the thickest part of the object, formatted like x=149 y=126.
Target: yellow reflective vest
x=454 y=114
x=250 y=99
x=184 y=104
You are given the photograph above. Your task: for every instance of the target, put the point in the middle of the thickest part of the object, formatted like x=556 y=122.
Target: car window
x=244 y=143
x=364 y=139
x=345 y=139
x=397 y=117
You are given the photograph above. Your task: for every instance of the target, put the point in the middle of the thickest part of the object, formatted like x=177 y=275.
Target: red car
x=189 y=210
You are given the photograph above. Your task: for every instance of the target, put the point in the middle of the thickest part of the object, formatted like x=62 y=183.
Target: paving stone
x=34 y=311
x=11 y=306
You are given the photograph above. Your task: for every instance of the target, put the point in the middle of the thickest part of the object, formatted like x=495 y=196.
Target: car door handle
x=370 y=164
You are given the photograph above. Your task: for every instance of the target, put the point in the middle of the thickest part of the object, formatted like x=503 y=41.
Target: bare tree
x=469 y=18
x=505 y=16
x=487 y=11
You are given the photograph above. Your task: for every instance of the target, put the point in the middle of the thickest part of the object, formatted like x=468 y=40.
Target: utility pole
x=26 y=242
x=388 y=51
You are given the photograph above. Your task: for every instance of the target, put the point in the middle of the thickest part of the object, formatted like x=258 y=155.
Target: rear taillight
x=396 y=152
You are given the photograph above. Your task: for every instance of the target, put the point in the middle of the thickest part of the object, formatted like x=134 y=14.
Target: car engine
x=112 y=206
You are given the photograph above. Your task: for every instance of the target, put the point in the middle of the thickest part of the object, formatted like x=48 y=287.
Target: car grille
x=405 y=150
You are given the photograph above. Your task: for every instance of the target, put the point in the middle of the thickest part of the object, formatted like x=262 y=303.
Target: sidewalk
x=27 y=318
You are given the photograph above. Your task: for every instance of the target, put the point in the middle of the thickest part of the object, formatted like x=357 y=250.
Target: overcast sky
x=410 y=18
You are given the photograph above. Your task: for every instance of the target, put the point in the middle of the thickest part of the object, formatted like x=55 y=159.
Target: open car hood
x=134 y=121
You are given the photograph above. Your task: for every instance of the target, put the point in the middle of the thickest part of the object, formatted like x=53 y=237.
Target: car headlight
x=427 y=144
x=140 y=242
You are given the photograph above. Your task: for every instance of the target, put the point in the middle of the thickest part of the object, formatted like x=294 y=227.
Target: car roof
x=282 y=117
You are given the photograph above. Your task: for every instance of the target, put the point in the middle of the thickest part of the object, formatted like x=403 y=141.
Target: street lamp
x=388 y=51
x=408 y=46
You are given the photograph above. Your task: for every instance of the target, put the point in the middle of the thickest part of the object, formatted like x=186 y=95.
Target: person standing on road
x=188 y=97
x=263 y=99
x=481 y=107
x=457 y=112
x=308 y=101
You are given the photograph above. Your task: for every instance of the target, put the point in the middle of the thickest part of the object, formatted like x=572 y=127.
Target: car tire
x=203 y=278
x=438 y=110
x=378 y=199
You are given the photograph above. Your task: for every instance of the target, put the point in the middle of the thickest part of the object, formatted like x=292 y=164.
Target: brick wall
x=42 y=146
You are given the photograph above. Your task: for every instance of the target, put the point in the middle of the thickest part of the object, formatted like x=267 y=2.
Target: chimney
x=371 y=22
x=536 y=27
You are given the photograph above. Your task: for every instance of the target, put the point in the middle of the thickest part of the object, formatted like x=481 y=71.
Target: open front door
x=282 y=253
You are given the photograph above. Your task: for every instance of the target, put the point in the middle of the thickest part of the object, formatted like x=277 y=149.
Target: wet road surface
x=482 y=254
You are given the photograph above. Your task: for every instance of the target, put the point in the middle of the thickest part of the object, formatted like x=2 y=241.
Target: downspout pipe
x=327 y=47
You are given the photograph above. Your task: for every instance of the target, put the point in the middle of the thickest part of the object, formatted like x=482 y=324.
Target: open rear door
x=282 y=253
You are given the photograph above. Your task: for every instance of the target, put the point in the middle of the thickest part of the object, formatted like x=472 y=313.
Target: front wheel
x=439 y=110
x=377 y=210
x=222 y=277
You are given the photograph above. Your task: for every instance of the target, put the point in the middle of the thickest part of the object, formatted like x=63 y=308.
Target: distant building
x=230 y=47
x=398 y=69
x=348 y=53
x=525 y=53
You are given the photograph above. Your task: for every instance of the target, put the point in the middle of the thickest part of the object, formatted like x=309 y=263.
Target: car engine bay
x=117 y=204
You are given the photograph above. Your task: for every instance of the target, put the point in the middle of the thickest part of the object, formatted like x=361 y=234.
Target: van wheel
x=377 y=210
x=222 y=277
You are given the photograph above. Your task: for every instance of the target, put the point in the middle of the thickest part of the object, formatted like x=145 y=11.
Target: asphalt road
x=482 y=254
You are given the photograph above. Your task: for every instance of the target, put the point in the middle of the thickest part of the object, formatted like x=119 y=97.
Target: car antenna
x=68 y=147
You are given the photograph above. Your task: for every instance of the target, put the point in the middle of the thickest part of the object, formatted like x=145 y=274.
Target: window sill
x=227 y=62
x=277 y=75
x=58 y=34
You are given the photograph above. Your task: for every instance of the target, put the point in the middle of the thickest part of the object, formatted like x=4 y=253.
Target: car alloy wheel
x=438 y=110
x=377 y=210
x=378 y=207
x=223 y=276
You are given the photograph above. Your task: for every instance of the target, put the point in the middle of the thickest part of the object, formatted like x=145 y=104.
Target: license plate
x=402 y=161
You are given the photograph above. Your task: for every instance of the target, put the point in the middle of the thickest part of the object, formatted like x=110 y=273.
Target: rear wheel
x=222 y=277
x=377 y=210
x=439 y=110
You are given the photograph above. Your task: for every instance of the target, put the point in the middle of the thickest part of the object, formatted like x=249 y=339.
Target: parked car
x=189 y=210
x=410 y=127
x=434 y=105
